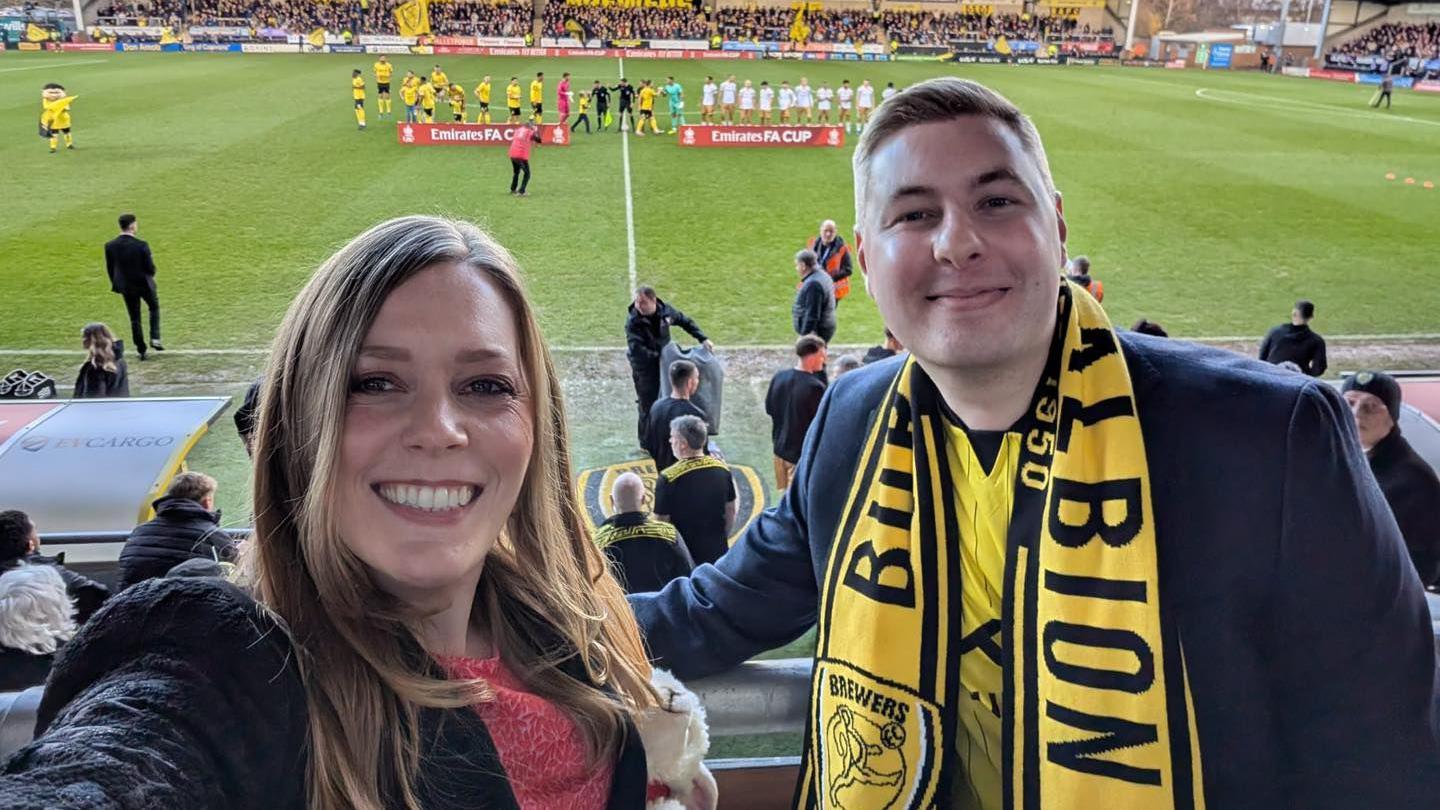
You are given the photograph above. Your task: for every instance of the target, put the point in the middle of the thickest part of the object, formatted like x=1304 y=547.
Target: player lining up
x=747 y=103
x=537 y=98
x=727 y=99
x=357 y=89
x=410 y=94
x=482 y=95
x=512 y=99
x=675 y=94
x=647 y=109
x=383 y=71
x=707 y=100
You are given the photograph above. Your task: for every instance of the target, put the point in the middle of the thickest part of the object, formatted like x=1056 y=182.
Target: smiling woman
x=431 y=625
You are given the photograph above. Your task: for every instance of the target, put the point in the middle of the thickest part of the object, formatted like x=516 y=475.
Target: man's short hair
x=628 y=493
x=692 y=430
x=1305 y=308
x=1080 y=266
x=1148 y=327
x=941 y=99
x=681 y=371
x=15 y=530
x=192 y=486
x=846 y=364
x=807 y=257
x=645 y=291
x=807 y=345
x=126 y=220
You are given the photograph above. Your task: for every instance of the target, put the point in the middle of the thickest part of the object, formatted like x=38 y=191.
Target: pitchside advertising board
x=783 y=137
x=473 y=134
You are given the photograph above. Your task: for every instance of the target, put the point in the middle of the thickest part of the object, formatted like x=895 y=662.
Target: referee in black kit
x=626 y=91
x=600 y=95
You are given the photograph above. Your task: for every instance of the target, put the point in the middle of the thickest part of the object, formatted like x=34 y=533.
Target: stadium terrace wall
x=1354 y=77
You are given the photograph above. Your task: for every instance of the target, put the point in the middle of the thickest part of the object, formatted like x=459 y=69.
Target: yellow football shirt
x=984 y=503
x=427 y=96
x=409 y=93
x=457 y=96
x=357 y=85
x=482 y=92
x=512 y=95
x=537 y=92
x=439 y=79
x=647 y=98
x=383 y=71
x=584 y=103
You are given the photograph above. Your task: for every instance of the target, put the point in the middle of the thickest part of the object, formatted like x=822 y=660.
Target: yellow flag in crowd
x=34 y=33
x=317 y=38
x=799 y=31
x=167 y=36
x=1002 y=46
x=413 y=18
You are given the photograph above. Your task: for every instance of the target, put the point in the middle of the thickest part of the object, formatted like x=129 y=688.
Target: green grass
x=1209 y=212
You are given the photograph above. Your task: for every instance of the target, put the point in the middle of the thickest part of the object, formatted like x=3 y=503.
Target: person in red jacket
x=525 y=137
x=834 y=256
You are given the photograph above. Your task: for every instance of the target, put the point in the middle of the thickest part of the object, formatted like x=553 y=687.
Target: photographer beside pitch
x=1065 y=573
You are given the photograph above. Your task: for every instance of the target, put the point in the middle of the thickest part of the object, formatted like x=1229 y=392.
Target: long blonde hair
x=545 y=591
x=100 y=344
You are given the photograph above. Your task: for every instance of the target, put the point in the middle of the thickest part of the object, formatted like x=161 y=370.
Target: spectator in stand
x=1078 y=269
x=1410 y=485
x=684 y=381
x=36 y=619
x=814 y=310
x=644 y=553
x=20 y=544
x=647 y=332
x=581 y=23
x=186 y=526
x=889 y=348
x=774 y=24
x=1391 y=46
x=697 y=492
x=833 y=255
x=1296 y=342
x=792 y=402
x=847 y=363
x=104 y=373
x=131 y=268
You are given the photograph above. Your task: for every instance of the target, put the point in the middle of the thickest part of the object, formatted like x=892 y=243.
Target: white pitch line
x=54 y=65
x=260 y=351
x=1295 y=105
x=629 y=199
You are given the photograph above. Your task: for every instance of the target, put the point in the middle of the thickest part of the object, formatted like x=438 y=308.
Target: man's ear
x=1061 y=227
x=859 y=241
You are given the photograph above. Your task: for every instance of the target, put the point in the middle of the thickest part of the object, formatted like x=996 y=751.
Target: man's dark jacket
x=181 y=530
x=813 y=312
x=129 y=264
x=1297 y=344
x=1412 y=489
x=182 y=693
x=1304 y=627
x=646 y=335
x=644 y=553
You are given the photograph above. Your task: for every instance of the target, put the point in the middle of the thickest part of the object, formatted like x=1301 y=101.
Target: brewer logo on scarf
x=1096 y=709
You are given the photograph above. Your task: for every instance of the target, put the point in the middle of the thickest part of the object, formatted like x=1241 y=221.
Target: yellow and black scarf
x=1096 y=708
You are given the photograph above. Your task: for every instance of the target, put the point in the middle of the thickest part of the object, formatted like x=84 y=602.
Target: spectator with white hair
x=834 y=256
x=697 y=493
x=36 y=619
x=644 y=553
x=20 y=545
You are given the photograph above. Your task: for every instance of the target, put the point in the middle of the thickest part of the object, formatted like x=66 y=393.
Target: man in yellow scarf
x=1056 y=565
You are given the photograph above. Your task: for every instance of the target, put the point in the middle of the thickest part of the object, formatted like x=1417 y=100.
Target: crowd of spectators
x=942 y=28
x=483 y=18
x=774 y=24
x=1399 y=44
x=613 y=22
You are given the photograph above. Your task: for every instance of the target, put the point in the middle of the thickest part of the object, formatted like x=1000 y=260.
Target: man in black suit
x=132 y=274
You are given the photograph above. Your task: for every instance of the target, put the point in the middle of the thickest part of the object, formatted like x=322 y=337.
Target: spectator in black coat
x=1411 y=486
x=131 y=268
x=20 y=544
x=814 y=309
x=791 y=403
x=644 y=553
x=647 y=331
x=103 y=374
x=1296 y=342
x=36 y=619
x=886 y=350
x=684 y=381
x=186 y=527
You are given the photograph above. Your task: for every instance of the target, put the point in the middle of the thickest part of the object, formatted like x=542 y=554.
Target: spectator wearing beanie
x=186 y=526
x=1296 y=342
x=1410 y=485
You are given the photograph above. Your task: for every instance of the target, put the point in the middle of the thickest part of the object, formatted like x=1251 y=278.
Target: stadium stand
x=679 y=21
x=1411 y=49
x=774 y=24
x=483 y=18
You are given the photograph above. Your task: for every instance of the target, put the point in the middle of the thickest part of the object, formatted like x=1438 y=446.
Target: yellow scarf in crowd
x=1096 y=708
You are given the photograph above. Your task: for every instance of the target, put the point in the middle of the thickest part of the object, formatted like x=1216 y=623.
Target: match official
x=647 y=331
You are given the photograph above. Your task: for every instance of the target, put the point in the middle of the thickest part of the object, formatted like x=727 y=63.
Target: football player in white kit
x=822 y=102
x=767 y=101
x=864 y=102
x=888 y=92
x=747 y=103
x=803 y=101
x=845 y=95
x=727 y=99
x=787 y=100
x=707 y=100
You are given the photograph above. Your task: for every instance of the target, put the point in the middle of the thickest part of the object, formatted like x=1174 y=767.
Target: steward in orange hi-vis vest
x=834 y=256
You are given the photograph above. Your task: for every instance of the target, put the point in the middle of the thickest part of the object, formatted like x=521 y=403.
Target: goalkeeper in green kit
x=675 y=94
